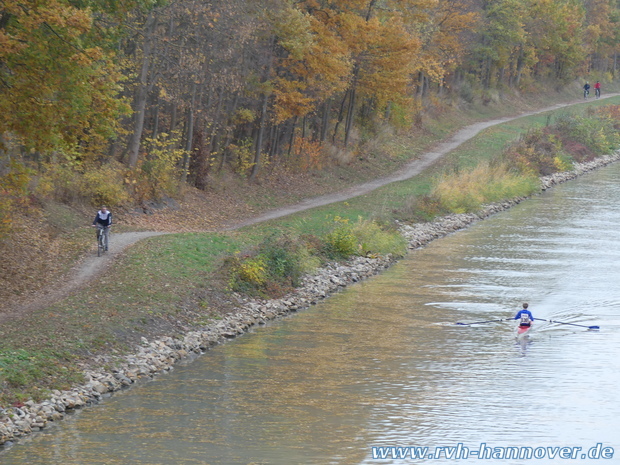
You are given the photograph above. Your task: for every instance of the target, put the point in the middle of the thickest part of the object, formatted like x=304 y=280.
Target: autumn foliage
x=236 y=86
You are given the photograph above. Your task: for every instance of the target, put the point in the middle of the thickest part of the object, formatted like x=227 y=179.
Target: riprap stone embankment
x=157 y=356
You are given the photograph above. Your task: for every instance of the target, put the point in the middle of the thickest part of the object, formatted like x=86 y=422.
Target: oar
x=572 y=324
x=480 y=322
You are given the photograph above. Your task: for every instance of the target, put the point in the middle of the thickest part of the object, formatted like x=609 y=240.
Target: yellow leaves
x=30 y=15
x=243 y=115
x=290 y=101
x=308 y=155
x=293 y=31
x=58 y=86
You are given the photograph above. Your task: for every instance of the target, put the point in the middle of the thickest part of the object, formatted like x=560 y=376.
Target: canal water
x=383 y=363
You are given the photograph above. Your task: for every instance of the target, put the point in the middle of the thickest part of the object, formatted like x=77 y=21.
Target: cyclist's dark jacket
x=104 y=219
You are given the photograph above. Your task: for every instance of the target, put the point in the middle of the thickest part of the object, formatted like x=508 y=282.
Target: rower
x=525 y=316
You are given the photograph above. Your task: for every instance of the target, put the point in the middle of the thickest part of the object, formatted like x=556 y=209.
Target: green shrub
x=276 y=265
x=340 y=242
x=273 y=268
x=538 y=153
x=60 y=182
x=373 y=239
x=595 y=131
x=421 y=209
x=287 y=258
x=247 y=274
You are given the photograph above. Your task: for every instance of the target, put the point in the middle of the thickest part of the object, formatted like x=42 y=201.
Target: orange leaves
x=315 y=63
x=290 y=100
x=331 y=47
x=387 y=63
x=310 y=155
x=374 y=47
x=442 y=36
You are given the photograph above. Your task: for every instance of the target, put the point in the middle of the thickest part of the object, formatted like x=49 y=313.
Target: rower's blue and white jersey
x=525 y=316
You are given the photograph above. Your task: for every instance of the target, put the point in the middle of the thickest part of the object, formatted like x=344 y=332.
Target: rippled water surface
x=383 y=364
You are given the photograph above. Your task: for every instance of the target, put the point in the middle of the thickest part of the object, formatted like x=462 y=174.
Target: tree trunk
x=142 y=92
x=173 y=118
x=263 y=116
x=156 y=120
x=350 y=114
x=340 y=115
x=292 y=139
x=259 y=139
x=190 y=135
x=229 y=132
x=327 y=106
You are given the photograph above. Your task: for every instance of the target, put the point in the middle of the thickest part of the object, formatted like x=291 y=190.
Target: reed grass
x=468 y=190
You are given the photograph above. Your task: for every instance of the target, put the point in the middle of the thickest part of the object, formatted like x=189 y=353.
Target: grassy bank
x=168 y=284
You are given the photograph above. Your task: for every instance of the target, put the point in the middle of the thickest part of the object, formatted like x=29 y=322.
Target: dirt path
x=91 y=266
x=86 y=269
x=413 y=168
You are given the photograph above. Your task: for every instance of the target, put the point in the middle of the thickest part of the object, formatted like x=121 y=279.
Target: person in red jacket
x=597 y=89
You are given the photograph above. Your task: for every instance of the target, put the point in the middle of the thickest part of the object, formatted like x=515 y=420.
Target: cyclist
x=103 y=220
x=586 y=90
x=597 y=89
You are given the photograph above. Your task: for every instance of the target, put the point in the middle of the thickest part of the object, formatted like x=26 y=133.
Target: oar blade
x=574 y=324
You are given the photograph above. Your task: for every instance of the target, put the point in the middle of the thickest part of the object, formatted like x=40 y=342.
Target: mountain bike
x=586 y=92
x=102 y=239
x=597 y=92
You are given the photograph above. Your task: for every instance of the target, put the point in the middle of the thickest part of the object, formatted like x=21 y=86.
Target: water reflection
x=383 y=364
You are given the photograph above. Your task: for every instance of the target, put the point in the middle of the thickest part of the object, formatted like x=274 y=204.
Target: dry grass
x=467 y=191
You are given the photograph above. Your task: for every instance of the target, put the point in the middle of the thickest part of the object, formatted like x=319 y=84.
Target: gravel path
x=413 y=168
x=91 y=265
